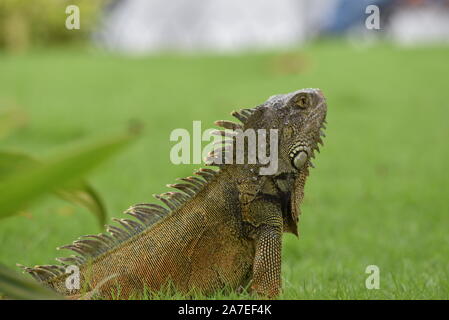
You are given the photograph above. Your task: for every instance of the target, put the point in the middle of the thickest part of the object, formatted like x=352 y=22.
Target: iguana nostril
x=300 y=160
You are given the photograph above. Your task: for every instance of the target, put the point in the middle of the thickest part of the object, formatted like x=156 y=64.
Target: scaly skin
x=221 y=231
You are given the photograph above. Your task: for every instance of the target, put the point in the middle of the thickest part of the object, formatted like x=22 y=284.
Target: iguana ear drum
x=300 y=160
x=299 y=156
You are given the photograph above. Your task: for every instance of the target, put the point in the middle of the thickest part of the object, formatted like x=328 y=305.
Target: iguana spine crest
x=148 y=214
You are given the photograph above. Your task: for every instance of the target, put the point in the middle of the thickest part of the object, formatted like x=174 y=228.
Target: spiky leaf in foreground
x=21 y=188
x=80 y=192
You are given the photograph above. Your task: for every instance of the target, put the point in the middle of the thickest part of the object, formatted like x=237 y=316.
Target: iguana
x=223 y=229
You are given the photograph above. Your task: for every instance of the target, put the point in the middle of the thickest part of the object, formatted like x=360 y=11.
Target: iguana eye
x=302 y=101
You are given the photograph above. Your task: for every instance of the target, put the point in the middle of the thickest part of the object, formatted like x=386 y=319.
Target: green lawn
x=379 y=194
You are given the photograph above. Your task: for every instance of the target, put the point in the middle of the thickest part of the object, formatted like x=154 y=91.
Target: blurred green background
x=24 y=25
x=379 y=194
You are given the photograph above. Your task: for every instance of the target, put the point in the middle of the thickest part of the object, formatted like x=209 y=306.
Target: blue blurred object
x=349 y=13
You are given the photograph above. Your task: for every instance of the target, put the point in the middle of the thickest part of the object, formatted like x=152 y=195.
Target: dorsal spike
x=135 y=226
x=243 y=114
x=153 y=206
x=72 y=247
x=184 y=187
x=52 y=270
x=239 y=116
x=70 y=260
x=45 y=273
x=210 y=171
x=85 y=246
x=204 y=175
x=168 y=203
x=125 y=224
x=195 y=181
x=192 y=185
x=138 y=215
x=175 y=197
x=228 y=124
x=224 y=133
x=117 y=232
x=93 y=243
x=103 y=238
x=213 y=162
x=247 y=112
x=148 y=212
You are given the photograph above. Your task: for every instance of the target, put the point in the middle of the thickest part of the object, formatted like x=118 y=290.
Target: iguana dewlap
x=221 y=229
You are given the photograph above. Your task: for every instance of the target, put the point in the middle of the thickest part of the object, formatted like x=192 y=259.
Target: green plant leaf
x=85 y=195
x=11 y=162
x=19 y=189
x=81 y=193
x=16 y=286
x=10 y=120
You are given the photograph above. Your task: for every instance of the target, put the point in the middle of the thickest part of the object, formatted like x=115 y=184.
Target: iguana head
x=299 y=118
x=300 y=124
